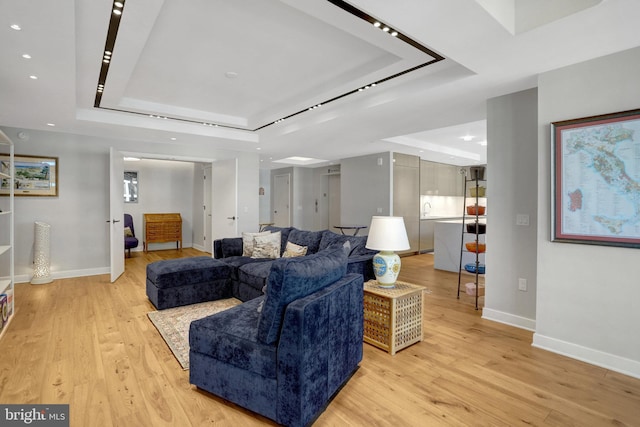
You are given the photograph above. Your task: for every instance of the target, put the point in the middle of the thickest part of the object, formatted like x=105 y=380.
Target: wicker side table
x=392 y=316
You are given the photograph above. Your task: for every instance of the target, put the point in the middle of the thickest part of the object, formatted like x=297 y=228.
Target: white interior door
x=208 y=240
x=282 y=203
x=116 y=212
x=224 y=201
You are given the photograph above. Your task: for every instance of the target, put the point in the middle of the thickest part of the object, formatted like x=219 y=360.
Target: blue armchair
x=130 y=242
x=284 y=355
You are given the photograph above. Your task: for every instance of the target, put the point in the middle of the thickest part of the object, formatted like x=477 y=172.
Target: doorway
x=282 y=200
x=207 y=217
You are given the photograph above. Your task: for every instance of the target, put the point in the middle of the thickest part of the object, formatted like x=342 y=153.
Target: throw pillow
x=292 y=250
x=248 y=242
x=128 y=232
x=267 y=246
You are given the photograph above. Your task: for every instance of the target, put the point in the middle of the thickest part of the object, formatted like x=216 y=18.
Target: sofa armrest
x=361 y=264
x=227 y=247
x=320 y=347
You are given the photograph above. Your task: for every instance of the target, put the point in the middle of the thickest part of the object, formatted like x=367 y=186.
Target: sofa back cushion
x=294 y=278
x=310 y=239
x=331 y=239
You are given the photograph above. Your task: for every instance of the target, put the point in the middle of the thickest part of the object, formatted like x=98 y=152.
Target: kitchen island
x=447 y=245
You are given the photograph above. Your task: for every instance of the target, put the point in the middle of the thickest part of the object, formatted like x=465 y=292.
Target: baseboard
x=25 y=278
x=509 y=319
x=201 y=248
x=594 y=357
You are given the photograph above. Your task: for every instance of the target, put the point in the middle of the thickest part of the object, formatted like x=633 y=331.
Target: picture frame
x=596 y=180
x=34 y=176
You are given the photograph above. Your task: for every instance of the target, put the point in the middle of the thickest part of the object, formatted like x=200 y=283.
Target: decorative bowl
x=480 y=191
x=482 y=228
x=473 y=247
x=471 y=268
x=471 y=210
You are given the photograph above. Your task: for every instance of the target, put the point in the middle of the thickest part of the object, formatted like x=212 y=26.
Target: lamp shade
x=387 y=233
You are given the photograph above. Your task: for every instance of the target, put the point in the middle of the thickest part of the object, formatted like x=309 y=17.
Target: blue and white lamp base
x=386 y=267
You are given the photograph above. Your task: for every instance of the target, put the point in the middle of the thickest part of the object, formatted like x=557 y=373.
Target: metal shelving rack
x=475 y=218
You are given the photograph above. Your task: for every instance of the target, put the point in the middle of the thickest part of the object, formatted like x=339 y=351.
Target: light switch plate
x=522 y=219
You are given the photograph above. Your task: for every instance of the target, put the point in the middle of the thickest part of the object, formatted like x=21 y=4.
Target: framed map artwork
x=596 y=185
x=34 y=176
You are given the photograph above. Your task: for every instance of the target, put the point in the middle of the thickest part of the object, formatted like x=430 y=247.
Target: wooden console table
x=392 y=316
x=161 y=228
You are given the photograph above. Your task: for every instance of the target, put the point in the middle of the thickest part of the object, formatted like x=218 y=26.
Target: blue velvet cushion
x=231 y=247
x=255 y=274
x=184 y=271
x=235 y=262
x=230 y=337
x=293 y=278
x=330 y=239
x=310 y=239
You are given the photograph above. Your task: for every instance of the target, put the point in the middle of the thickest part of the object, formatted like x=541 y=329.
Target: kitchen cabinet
x=427 y=228
x=439 y=179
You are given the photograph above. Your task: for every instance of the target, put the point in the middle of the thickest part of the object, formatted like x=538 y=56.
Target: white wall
x=588 y=299
x=512 y=135
x=79 y=233
x=365 y=186
x=265 y=199
x=164 y=186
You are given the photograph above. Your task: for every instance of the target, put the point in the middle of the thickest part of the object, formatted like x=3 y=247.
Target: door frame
x=153 y=156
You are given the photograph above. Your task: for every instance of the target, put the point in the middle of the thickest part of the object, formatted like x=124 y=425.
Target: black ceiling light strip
x=370 y=19
x=112 y=32
x=177 y=119
x=114 y=24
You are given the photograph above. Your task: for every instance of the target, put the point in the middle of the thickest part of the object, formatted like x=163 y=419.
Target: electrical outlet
x=522 y=284
x=379 y=210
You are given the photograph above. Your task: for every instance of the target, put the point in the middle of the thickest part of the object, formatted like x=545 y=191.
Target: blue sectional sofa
x=249 y=275
x=285 y=354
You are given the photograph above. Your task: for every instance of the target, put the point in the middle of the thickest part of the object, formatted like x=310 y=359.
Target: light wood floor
x=89 y=343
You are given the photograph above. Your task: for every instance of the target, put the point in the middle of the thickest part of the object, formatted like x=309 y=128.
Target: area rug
x=173 y=324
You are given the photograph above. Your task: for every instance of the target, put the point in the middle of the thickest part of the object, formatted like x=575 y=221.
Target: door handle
x=113 y=220
x=231 y=217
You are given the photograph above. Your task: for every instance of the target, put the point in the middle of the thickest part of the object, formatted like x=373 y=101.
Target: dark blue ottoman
x=183 y=281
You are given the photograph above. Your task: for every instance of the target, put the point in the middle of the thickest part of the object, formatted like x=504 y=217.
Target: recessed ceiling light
x=231 y=74
x=385 y=29
x=394 y=34
x=173 y=138
x=33 y=77
x=118 y=4
x=26 y=56
x=117 y=12
x=51 y=124
x=467 y=137
x=16 y=27
x=376 y=24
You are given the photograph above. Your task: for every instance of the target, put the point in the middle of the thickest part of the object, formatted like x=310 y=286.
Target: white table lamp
x=387 y=234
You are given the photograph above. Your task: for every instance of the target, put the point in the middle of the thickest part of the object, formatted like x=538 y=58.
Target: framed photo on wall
x=34 y=176
x=596 y=180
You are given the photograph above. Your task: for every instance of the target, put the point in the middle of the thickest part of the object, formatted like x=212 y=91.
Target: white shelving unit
x=7 y=213
x=477 y=257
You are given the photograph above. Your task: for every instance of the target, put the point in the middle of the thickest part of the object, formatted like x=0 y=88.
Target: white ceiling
x=244 y=64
